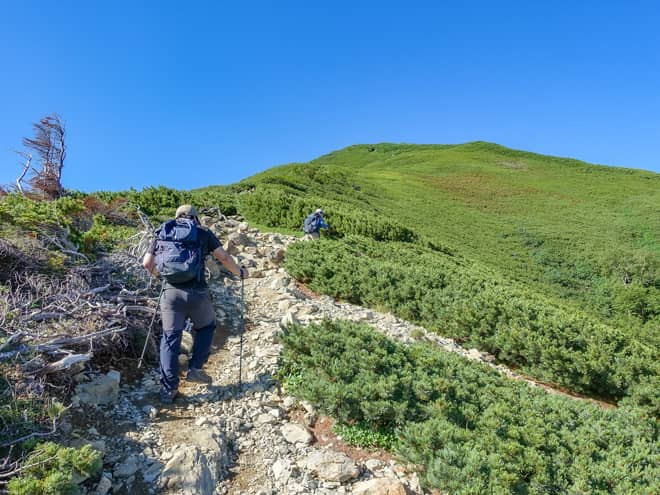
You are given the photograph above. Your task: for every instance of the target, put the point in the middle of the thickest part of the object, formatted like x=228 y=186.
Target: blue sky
x=188 y=94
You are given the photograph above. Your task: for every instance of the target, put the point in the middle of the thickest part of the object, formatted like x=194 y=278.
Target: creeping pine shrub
x=104 y=235
x=269 y=205
x=30 y=214
x=471 y=430
x=522 y=328
x=53 y=469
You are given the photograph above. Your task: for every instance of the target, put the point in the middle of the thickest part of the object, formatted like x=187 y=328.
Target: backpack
x=179 y=256
x=311 y=223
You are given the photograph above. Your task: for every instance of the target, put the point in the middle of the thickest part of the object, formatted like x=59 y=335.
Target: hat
x=319 y=210
x=187 y=210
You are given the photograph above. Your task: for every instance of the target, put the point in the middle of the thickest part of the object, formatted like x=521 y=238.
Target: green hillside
x=564 y=224
x=551 y=264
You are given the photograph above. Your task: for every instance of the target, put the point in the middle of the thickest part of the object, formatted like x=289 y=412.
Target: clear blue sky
x=188 y=94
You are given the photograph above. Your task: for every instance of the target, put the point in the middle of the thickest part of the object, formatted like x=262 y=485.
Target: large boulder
x=189 y=472
x=102 y=390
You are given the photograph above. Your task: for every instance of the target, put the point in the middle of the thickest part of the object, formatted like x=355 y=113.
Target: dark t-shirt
x=209 y=243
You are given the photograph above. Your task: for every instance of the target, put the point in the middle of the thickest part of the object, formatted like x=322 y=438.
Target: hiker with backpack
x=177 y=254
x=313 y=224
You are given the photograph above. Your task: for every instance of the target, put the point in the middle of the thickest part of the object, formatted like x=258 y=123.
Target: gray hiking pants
x=175 y=306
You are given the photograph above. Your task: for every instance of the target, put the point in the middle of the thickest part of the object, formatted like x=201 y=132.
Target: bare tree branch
x=36 y=434
x=26 y=167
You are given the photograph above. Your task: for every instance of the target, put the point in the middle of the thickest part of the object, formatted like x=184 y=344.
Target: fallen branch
x=23 y=468
x=47 y=316
x=56 y=344
x=12 y=338
x=97 y=290
x=66 y=363
x=142 y=309
x=35 y=434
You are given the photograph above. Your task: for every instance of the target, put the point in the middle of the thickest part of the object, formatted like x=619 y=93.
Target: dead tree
x=49 y=146
x=26 y=167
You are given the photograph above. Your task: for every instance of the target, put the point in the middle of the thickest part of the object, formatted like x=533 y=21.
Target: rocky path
x=222 y=439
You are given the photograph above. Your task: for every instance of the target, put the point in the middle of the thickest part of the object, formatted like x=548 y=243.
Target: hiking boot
x=168 y=396
x=198 y=376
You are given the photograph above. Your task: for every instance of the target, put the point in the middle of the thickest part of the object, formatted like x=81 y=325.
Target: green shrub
x=53 y=469
x=31 y=215
x=278 y=208
x=104 y=235
x=470 y=429
x=474 y=306
x=361 y=436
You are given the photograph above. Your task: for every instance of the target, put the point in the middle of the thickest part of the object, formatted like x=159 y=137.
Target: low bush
x=53 y=469
x=470 y=429
x=522 y=328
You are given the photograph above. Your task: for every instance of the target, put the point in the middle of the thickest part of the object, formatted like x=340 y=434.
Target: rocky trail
x=222 y=439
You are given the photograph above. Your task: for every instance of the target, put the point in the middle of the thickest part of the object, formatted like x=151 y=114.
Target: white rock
x=328 y=465
x=374 y=464
x=288 y=319
x=127 y=468
x=150 y=411
x=102 y=390
x=103 y=487
x=189 y=472
x=202 y=420
x=265 y=419
x=295 y=433
x=379 y=486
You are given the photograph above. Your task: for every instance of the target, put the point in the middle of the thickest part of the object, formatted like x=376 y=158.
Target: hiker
x=313 y=224
x=178 y=254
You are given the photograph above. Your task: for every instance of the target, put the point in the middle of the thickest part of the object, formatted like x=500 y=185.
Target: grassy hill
x=560 y=224
x=551 y=264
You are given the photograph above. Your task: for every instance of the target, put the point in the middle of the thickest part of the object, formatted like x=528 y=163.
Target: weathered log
x=15 y=337
x=66 y=363
x=97 y=290
x=47 y=316
x=58 y=343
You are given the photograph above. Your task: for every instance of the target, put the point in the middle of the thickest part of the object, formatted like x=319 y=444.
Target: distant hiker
x=178 y=254
x=313 y=224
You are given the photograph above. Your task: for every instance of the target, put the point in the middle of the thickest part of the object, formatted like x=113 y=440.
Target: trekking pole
x=151 y=326
x=242 y=325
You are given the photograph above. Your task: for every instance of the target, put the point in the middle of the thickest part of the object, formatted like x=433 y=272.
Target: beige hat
x=319 y=210
x=188 y=210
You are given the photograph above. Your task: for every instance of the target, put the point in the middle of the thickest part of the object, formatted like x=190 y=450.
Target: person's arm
x=149 y=262
x=228 y=262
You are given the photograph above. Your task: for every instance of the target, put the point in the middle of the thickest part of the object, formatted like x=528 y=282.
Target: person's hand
x=244 y=272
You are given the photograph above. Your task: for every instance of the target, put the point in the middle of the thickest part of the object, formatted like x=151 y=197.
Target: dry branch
x=66 y=363
x=26 y=167
x=15 y=337
x=46 y=316
x=35 y=434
